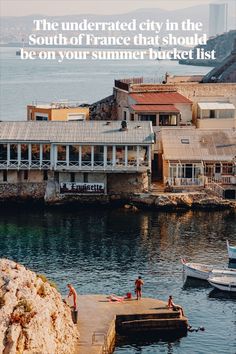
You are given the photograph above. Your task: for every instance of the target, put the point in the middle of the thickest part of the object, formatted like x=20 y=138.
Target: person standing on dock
x=138 y=287
x=73 y=294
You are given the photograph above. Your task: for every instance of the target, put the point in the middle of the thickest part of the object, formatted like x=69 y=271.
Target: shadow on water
x=232 y=264
x=195 y=283
x=222 y=295
x=140 y=341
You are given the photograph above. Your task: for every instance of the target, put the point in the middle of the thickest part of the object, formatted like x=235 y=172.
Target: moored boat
x=231 y=252
x=224 y=283
x=196 y=270
x=204 y=271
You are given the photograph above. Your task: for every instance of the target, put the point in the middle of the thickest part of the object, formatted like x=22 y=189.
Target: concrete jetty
x=99 y=320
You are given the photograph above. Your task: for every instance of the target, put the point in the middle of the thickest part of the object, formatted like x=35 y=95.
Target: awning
x=215 y=105
x=154 y=108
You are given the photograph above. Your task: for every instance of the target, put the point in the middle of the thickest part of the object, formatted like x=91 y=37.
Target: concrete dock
x=99 y=320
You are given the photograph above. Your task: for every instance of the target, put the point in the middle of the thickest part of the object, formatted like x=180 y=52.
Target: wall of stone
x=14 y=191
x=127 y=183
x=104 y=109
x=122 y=103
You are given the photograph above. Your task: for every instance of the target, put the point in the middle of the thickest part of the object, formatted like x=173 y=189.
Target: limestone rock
x=33 y=317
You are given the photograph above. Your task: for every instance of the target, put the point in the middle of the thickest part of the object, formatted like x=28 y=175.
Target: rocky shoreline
x=33 y=317
x=140 y=201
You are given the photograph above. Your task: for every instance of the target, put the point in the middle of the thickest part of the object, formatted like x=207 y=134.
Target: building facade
x=200 y=158
x=76 y=158
x=58 y=111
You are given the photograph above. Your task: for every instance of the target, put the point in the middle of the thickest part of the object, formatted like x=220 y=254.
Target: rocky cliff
x=33 y=317
x=222 y=44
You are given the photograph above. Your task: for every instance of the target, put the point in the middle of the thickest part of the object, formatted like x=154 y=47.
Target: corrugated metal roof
x=154 y=108
x=199 y=144
x=77 y=132
x=216 y=105
x=159 y=98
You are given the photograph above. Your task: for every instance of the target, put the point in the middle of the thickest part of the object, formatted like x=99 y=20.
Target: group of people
x=138 y=290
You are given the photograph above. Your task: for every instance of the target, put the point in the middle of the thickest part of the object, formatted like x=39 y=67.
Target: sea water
x=103 y=251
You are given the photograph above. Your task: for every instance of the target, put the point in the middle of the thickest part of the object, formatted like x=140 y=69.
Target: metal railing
x=180 y=182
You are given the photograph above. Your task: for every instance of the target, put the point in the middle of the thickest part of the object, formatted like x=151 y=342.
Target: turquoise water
x=102 y=251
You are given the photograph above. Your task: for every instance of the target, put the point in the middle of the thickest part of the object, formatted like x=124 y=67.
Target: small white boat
x=231 y=252
x=196 y=270
x=224 y=283
x=204 y=271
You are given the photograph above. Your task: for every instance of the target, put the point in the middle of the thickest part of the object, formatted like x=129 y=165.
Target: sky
x=72 y=7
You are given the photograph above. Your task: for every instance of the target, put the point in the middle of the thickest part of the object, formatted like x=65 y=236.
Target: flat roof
x=216 y=105
x=86 y=132
x=199 y=144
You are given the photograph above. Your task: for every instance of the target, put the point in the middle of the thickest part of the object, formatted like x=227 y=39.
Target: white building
x=218 y=19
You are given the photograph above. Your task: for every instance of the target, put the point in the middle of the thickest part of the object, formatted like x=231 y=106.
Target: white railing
x=180 y=182
x=221 y=179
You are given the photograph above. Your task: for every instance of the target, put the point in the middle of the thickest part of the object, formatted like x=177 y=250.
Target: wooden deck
x=99 y=320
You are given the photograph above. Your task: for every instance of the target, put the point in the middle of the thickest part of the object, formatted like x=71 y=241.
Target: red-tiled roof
x=159 y=98
x=154 y=108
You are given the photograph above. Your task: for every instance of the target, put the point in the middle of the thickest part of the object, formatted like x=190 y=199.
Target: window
x=41 y=118
x=61 y=152
x=3 y=152
x=56 y=176
x=185 y=141
x=24 y=152
x=74 y=153
x=13 y=152
x=76 y=116
x=212 y=113
x=149 y=118
x=72 y=177
x=98 y=155
x=167 y=120
x=35 y=152
x=217 y=168
x=26 y=175
x=227 y=169
x=125 y=115
x=109 y=155
x=86 y=154
x=46 y=152
x=4 y=176
x=45 y=175
x=132 y=116
x=120 y=155
x=85 y=177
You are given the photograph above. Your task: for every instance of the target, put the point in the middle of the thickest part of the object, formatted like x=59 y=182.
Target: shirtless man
x=138 y=287
x=171 y=305
x=72 y=292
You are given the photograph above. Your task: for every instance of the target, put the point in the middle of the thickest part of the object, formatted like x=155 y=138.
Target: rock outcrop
x=33 y=317
x=222 y=44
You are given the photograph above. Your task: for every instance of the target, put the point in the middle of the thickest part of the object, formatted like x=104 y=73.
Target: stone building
x=195 y=158
x=57 y=159
x=163 y=106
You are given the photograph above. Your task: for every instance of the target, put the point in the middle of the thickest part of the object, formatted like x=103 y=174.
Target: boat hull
x=195 y=273
x=223 y=287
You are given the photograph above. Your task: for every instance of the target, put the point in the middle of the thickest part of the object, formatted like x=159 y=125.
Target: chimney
x=123 y=125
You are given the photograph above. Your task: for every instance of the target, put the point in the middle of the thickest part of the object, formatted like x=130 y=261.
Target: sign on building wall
x=81 y=188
